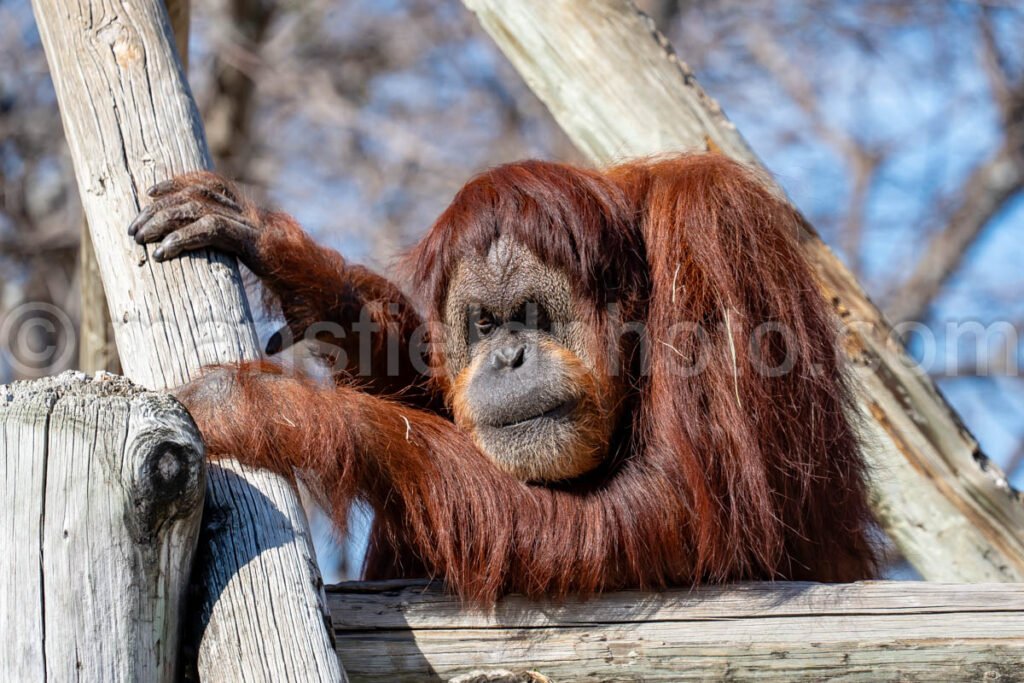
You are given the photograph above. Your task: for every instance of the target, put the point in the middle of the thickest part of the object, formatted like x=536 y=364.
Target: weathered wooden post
x=618 y=89
x=130 y=121
x=102 y=487
x=97 y=349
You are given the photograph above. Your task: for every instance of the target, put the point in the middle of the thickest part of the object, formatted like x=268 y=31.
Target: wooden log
x=406 y=631
x=102 y=486
x=130 y=121
x=97 y=349
x=619 y=90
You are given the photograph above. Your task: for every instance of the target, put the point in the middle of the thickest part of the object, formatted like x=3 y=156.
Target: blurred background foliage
x=896 y=125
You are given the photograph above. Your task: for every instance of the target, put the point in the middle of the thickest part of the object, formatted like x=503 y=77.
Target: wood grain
x=102 y=496
x=130 y=121
x=97 y=349
x=873 y=631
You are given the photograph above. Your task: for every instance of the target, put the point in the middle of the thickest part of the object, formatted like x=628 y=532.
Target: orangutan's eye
x=481 y=323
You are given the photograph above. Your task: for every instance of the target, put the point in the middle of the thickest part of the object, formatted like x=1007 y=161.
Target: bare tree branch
x=228 y=111
x=988 y=188
x=861 y=160
x=997 y=69
x=986 y=191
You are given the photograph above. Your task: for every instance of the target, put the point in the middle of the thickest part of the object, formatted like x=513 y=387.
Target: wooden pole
x=130 y=121
x=618 y=89
x=97 y=349
x=892 y=631
x=102 y=488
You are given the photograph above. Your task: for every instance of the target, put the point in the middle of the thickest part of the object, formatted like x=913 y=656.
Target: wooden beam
x=619 y=90
x=130 y=121
x=102 y=488
x=97 y=349
x=405 y=631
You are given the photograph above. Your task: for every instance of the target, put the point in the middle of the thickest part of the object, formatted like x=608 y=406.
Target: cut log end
x=103 y=482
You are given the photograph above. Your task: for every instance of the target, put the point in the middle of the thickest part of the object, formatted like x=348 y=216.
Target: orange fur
x=729 y=473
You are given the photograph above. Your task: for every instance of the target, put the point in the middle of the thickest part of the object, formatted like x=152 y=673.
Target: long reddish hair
x=736 y=460
x=755 y=449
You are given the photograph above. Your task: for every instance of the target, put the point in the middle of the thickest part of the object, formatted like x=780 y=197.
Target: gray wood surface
x=130 y=121
x=97 y=349
x=872 y=631
x=618 y=89
x=102 y=488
